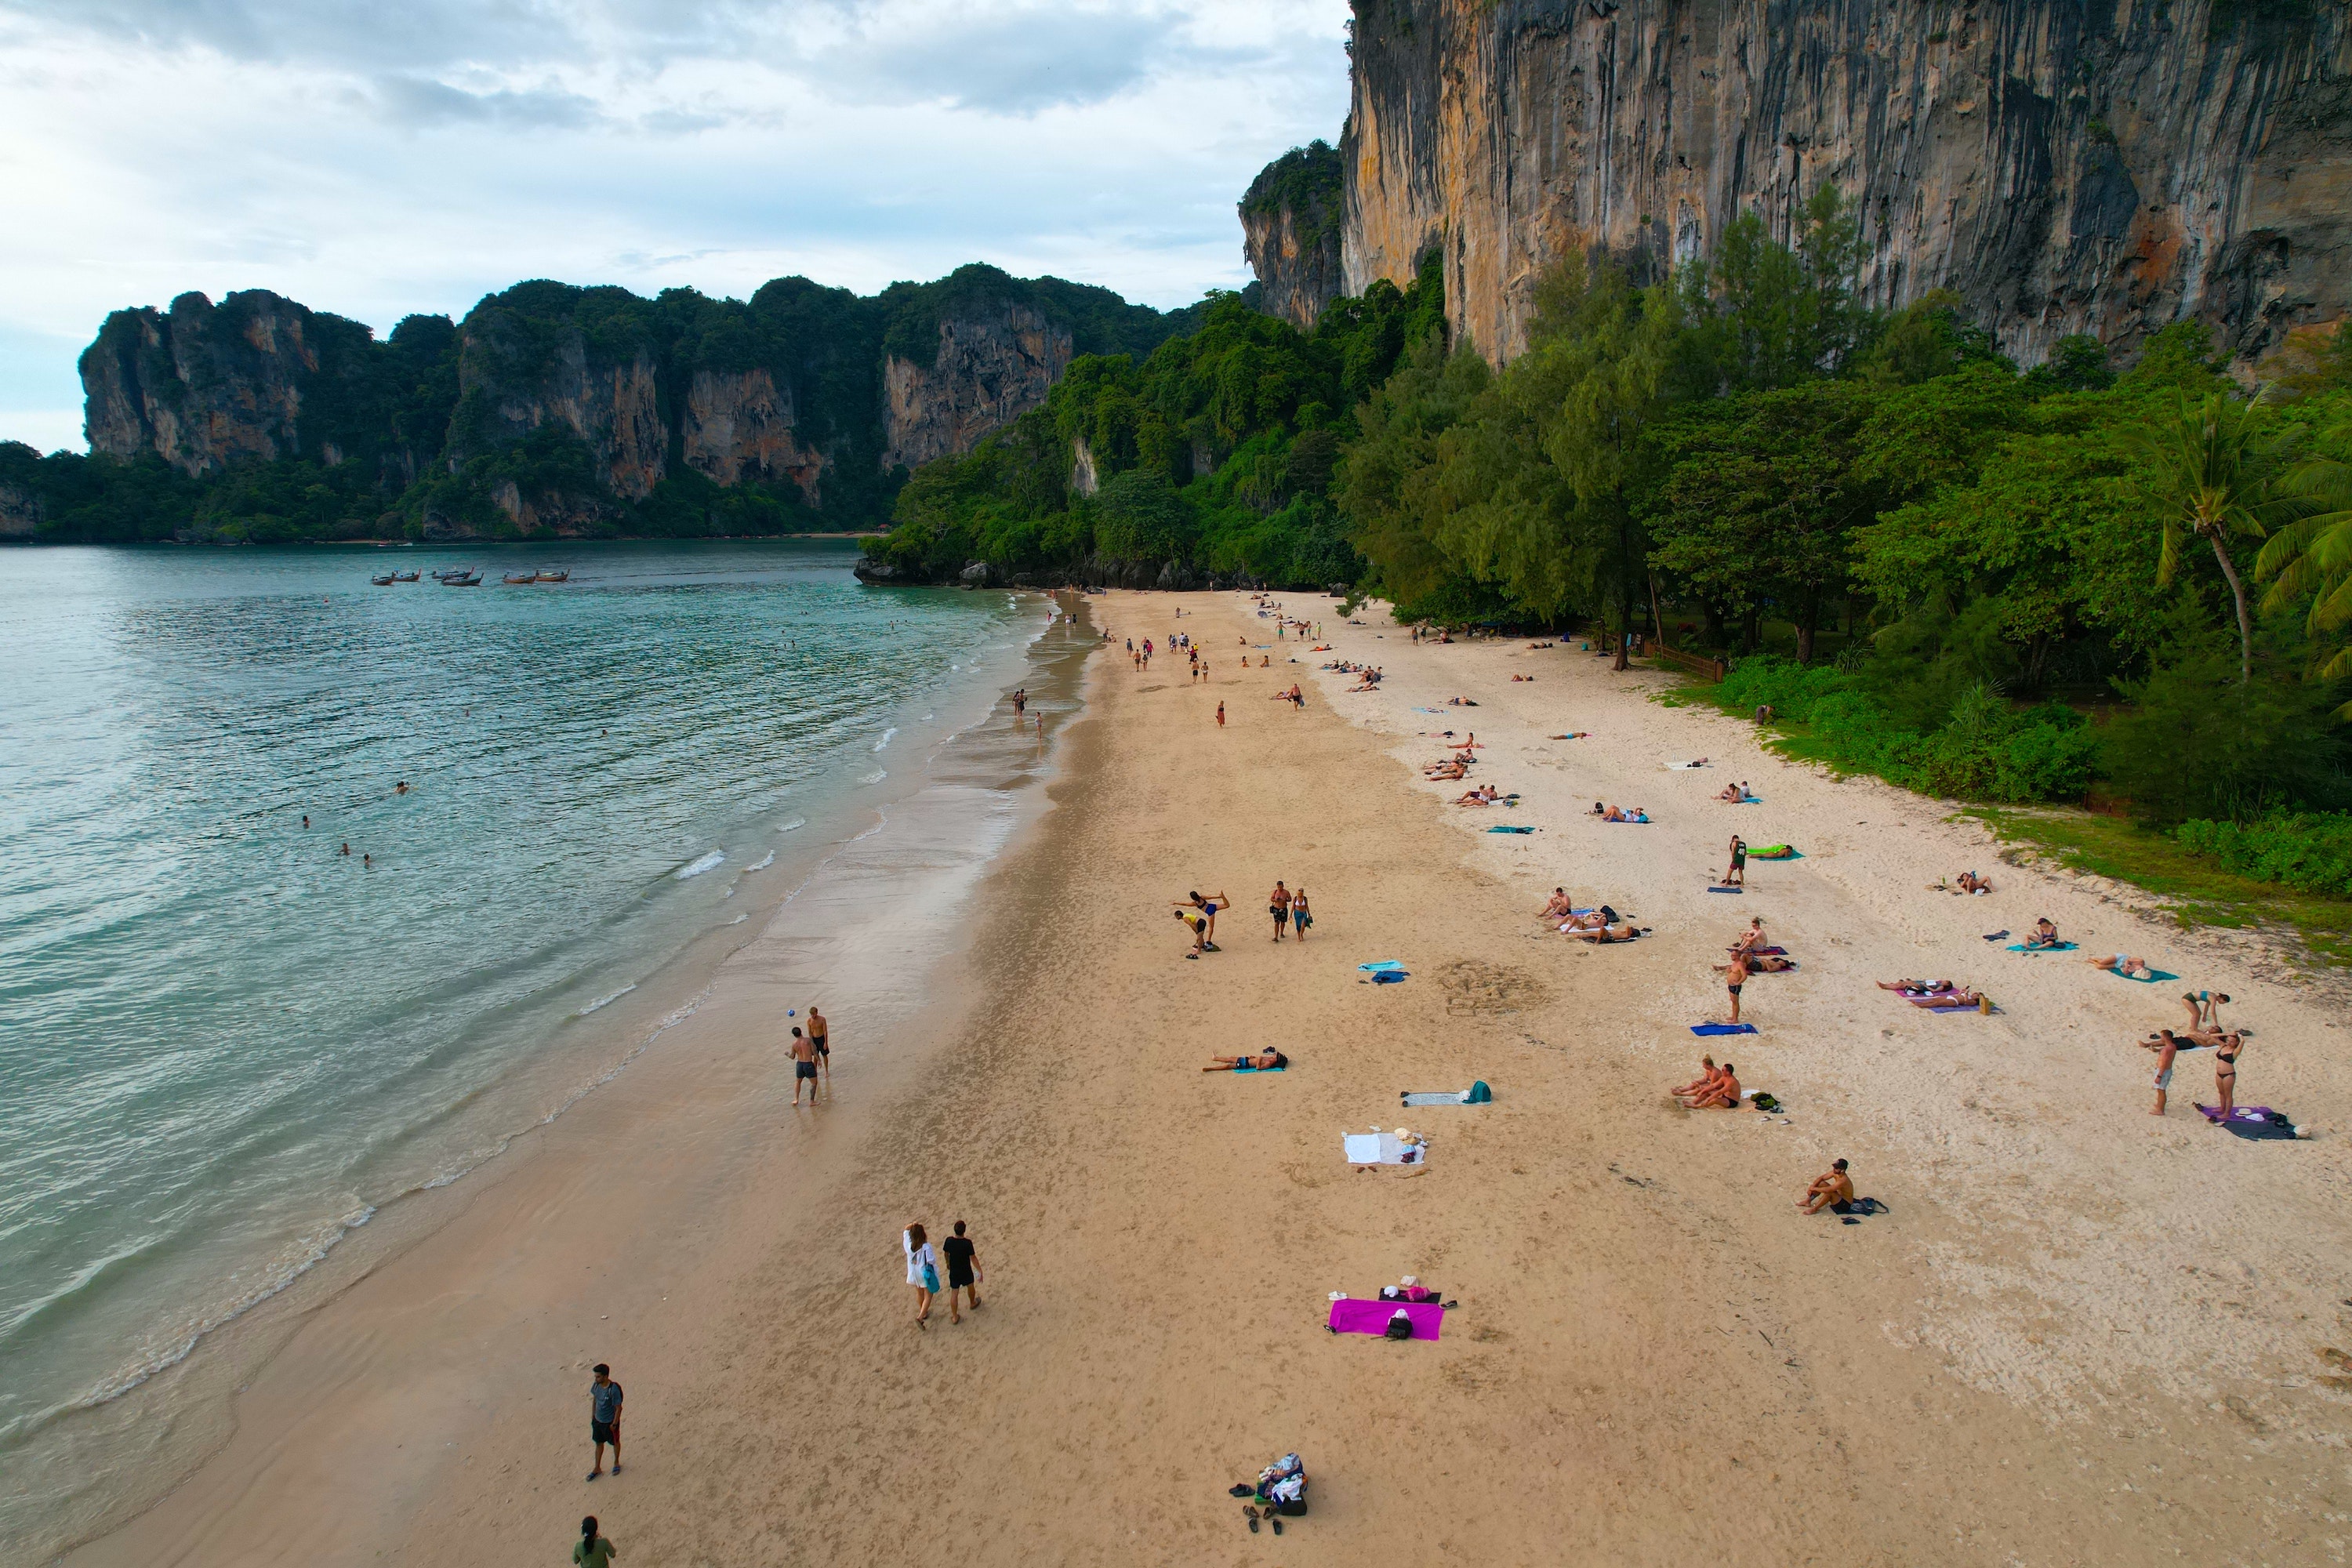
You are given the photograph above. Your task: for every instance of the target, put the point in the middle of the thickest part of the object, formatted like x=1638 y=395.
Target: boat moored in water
x=462 y=580
x=403 y=576
x=521 y=577
x=382 y=579
x=554 y=577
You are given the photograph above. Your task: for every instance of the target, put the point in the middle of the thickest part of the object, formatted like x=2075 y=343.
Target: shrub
x=2309 y=850
x=2199 y=743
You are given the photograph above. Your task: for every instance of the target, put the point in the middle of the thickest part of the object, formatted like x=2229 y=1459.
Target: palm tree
x=2313 y=556
x=2219 y=467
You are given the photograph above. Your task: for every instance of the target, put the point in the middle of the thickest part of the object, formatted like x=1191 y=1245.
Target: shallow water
x=222 y=1042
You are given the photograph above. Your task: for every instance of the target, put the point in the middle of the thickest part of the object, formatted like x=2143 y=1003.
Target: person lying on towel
x=1918 y=987
x=1765 y=963
x=1619 y=931
x=1483 y=797
x=1723 y=1094
x=1264 y=1061
x=2122 y=964
x=1736 y=794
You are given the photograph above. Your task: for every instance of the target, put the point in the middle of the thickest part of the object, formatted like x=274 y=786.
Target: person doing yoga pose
x=1264 y=1061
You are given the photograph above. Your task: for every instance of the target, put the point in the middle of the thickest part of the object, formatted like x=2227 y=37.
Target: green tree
x=2217 y=467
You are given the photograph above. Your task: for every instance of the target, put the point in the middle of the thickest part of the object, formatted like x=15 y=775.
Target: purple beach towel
x=1350 y=1316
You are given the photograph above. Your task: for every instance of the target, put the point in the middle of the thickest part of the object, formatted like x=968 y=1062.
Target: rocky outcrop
x=1291 y=221
x=203 y=384
x=516 y=375
x=737 y=426
x=994 y=360
x=2065 y=168
x=20 y=511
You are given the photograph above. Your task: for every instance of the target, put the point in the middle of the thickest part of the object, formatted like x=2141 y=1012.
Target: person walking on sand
x=1221 y=715
x=963 y=1271
x=922 y=1271
x=819 y=1033
x=803 y=1067
x=1301 y=916
x=1735 y=875
x=604 y=1418
x=592 y=1550
x=1020 y=704
x=1735 y=976
x=2164 y=1071
x=1277 y=904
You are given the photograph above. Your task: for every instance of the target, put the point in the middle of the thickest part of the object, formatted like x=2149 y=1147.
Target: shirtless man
x=1623 y=930
x=1557 y=908
x=1723 y=1094
x=2164 y=1072
x=1734 y=975
x=1752 y=938
x=1832 y=1188
x=1486 y=795
x=820 y=1036
x=1705 y=1077
x=1277 y=904
x=804 y=1066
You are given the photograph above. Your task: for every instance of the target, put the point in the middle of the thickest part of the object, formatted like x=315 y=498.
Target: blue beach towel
x=2062 y=947
x=1726 y=890
x=1379 y=964
x=2153 y=976
x=1723 y=1028
x=1387 y=976
x=1506 y=827
x=1284 y=1068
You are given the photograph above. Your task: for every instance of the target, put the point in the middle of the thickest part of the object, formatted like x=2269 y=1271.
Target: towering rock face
x=737 y=426
x=995 y=360
x=1291 y=220
x=2064 y=167
x=518 y=374
x=202 y=385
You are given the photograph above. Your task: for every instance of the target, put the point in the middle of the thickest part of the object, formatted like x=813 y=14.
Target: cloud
x=375 y=160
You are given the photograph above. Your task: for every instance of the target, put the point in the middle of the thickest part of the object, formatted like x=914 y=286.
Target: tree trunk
x=1657 y=617
x=1805 y=643
x=1624 y=589
x=2245 y=623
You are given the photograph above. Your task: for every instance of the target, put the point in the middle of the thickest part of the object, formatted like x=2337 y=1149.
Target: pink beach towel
x=1350 y=1316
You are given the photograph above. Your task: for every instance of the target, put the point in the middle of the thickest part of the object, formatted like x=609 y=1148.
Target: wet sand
x=2077 y=1334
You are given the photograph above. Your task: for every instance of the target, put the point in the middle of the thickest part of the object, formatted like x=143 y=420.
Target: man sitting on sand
x=1736 y=794
x=1751 y=939
x=1487 y=795
x=1723 y=1094
x=1557 y=906
x=2122 y=964
x=2045 y=934
x=1706 y=1075
x=1832 y=1189
x=1264 y=1061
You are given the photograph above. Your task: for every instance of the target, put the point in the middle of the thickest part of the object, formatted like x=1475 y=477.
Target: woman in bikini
x=2122 y=964
x=1301 y=916
x=2225 y=1074
x=1264 y=1061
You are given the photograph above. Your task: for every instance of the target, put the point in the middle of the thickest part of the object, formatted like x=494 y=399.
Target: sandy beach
x=2074 y=1333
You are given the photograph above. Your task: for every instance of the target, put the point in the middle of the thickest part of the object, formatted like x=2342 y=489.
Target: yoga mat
x=2062 y=947
x=1349 y=1316
x=1723 y=1028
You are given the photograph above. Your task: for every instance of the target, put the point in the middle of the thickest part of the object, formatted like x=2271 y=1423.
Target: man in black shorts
x=604 y=1418
x=817 y=1028
x=963 y=1271
x=804 y=1066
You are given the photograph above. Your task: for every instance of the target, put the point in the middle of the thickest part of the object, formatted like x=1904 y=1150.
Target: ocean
x=226 y=1042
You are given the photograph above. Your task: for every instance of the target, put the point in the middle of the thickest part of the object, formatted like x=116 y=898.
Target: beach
x=2074 y=1333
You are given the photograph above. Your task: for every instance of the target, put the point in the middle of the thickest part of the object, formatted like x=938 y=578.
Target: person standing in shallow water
x=821 y=1040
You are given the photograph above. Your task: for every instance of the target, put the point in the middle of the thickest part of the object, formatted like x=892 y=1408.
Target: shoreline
x=2069 y=1319
x=186 y=1401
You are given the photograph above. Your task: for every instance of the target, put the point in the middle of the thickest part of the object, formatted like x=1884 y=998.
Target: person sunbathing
x=1917 y=988
x=1591 y=919
x=1765 y=963
x=1485 y=795
x=1972 y=883
x=1557 y=906
x=1264 y=1061
x=1751 y=939
x=1619 y=931
x=1723 y=1094
x=1706 y=1075
x=1598 y=809
x=2045 y=934
x=1460 y=702
x=1832 y=1188
x=1446 y=771
x=1517 y=678
x=1571 y=735
x=1612 y=814
x=2187 y=1040
x=1639 y=814
x=1960 y=996
x=1736 y=794
x=2123 y=963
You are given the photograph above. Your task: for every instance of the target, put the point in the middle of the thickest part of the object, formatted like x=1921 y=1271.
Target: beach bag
x=1400 y=1326
x=930 y=1279
x=1479 y=1094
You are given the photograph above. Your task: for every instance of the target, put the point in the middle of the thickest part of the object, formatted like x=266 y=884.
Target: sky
x=377 y=159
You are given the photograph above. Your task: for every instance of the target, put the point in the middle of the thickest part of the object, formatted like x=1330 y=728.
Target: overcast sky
x=376 y=159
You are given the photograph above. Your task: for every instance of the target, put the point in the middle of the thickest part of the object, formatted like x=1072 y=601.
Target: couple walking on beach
x=923 y=1272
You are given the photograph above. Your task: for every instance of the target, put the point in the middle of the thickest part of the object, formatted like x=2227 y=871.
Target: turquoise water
x=223 y=1043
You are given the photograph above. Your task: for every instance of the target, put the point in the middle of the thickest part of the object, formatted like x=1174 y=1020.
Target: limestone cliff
x=1291 y=218
x=993 y=362
x=737 y=426
x=203 y=384
x=2064 y=167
